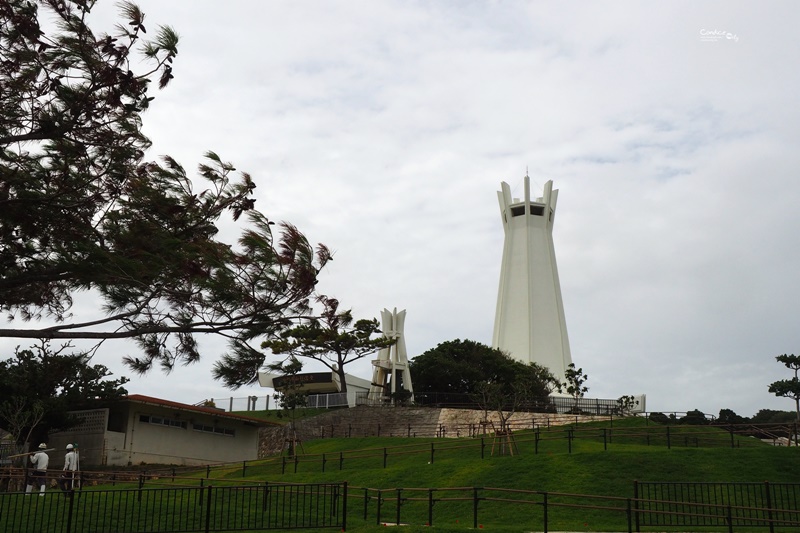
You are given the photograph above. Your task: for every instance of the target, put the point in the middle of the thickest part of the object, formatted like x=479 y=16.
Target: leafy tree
x=527 y=388
x=81 y=209
x=290 y=396
x=694 y=418
x=728 y=416
x=771 y=416
x=575 y=383
x=463 y=367
x=788 y=388
x=334 y=339
x=38 y=386
x=626 y=404
x=659 y=418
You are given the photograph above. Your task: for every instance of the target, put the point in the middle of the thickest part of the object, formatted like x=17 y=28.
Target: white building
x=323 y=388
x=140 y=429
x=529 y=321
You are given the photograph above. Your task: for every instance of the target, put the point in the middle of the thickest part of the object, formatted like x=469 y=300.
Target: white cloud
x=383 y=129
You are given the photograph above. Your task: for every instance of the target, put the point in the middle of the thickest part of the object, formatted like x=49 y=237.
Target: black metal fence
x=481 y=505
x=554 y=404
x=188 y=509
x=717 y=504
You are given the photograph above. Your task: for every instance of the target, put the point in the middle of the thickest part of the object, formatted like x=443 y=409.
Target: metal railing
x=326 y=401
x=482 y=505
x=717 y=504
x=188 y=509
x=248 y=403
x=554 y=404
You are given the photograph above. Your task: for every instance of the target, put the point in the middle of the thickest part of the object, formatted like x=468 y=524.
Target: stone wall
x=365 y=421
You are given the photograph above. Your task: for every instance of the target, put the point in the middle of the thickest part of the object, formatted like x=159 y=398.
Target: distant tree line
x=726 y=416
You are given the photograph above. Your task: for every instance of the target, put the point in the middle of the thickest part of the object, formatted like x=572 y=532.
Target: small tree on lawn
x=507 y=397
x=626 y=403
x=789 y=388
x=574 y=384
x=290 y=396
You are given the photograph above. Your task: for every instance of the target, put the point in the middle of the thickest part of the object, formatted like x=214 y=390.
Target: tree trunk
x=342 y=381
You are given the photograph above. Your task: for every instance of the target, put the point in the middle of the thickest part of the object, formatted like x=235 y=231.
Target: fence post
x=536 y=437
x=324 y=460
x=366 y=502
x=432 y=450
x=399 y=501
x=69 y=512
x=430 y=507
x=475 y=500
x=544 y=505
x=208 y=471
x=244 y=468
x=730 y=519
x=296 y=461
x=636 y=502
x=378 y=517
x=344 y=508
x=669 y=444
x=730 y=429
x=208 y=510
x=605 y=440
x=385 y=455
x=768 y=496
x=283 y=464
x=483 y=447
x=265 y=500
x=628 y=513
x=341 y=460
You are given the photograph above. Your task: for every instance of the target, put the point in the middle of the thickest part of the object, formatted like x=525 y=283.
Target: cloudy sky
x=384 y=128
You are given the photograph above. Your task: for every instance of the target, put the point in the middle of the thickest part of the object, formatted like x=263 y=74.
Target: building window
x=228 y=432
x=161 y=421
x=535 y=210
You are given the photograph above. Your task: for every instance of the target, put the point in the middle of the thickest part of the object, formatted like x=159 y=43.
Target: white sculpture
x=529 y=321
x=391 y=366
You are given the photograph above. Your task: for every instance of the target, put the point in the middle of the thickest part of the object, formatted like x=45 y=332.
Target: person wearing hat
x=40 y=461
x=67 y=481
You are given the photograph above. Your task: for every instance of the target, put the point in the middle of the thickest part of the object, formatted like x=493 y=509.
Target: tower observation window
x=519 y=210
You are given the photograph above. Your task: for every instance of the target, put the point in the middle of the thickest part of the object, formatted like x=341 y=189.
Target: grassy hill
x=584 y=459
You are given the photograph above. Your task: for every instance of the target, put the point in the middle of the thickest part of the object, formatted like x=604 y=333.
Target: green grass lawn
x=584 y=459
x=599 y=460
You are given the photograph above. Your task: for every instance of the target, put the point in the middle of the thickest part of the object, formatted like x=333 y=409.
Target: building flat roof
x=221 y=413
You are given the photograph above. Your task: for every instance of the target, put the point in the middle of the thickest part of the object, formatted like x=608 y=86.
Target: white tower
x=391 y=365
x=529 y=322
